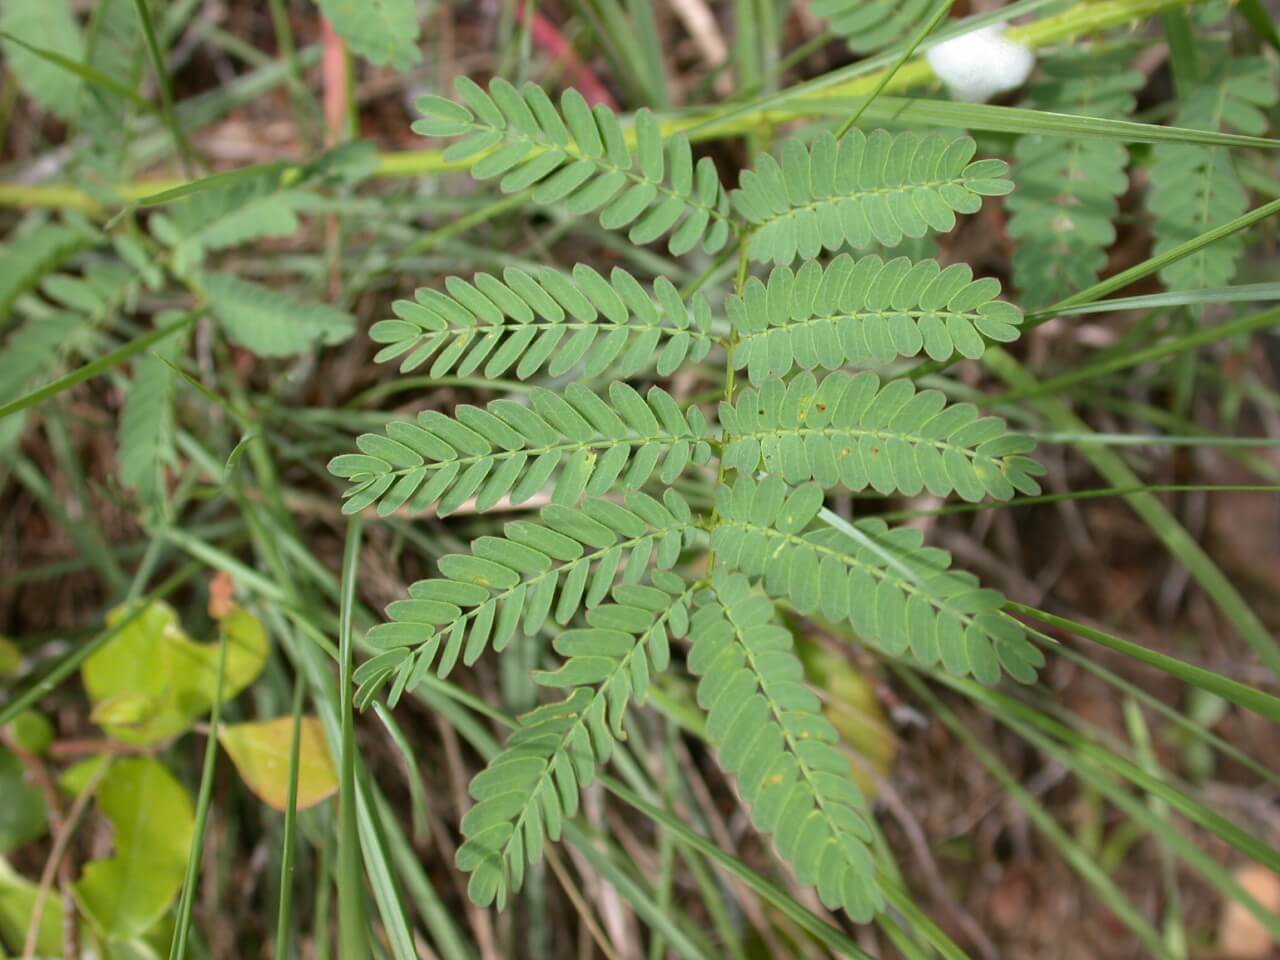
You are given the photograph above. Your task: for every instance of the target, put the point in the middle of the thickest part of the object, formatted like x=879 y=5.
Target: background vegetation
x=206 y=208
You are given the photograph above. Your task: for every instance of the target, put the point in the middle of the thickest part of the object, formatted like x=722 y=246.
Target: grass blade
x=182 y=926
x=284 y=918
x=1085 y=761
x=351 y=925
x=1075 y=855
x=1131 y=358
x=1240 y=293
x=1157 y=263
x=99 y=366
x=166 y=87
x=910 y=111
x=793 y=910
x=921 y=35
x=85 y=72
x=1165 y=526
x=1263 y=704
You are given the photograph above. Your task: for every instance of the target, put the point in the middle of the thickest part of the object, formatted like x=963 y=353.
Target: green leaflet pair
x=612 y=567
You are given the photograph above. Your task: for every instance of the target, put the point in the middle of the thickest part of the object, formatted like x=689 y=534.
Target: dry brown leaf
x=1240 y=935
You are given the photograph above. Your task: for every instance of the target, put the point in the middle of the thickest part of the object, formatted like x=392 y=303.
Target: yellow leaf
x=261 y=752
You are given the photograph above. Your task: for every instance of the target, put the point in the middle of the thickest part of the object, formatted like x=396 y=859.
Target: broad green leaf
x=31 y=731
x=17 y=903
x=147 y=423
x=22 y=810
x=10 y=657
x=80 y=776
x=179 y=680
x=261 y=752
x=154 y=821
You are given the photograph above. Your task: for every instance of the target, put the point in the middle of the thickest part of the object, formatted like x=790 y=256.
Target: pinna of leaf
x=608 y=562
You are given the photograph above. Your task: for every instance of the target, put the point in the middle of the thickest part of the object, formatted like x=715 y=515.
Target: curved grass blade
x=1075 y=855
x=993 y=118
x=284 y=917
x=1263 y=704
x=828 y=935
x=351 y=923
x=1165 y=526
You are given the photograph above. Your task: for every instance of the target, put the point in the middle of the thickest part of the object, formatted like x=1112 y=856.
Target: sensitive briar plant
x=618 y=564
x=686 y=457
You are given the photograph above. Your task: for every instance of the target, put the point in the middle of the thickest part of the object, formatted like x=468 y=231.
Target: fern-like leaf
x=855 y=311
x=272 y=323
x=768 y=730
x=27 y=355
x=114 y=47
x=525 y=793
x=515 y=582
x=898 y=594
x=147 y=422
x=384 y=32
x=62 y=321
x=1195 y=188
x=878 y=188
x=868 y=25
x=49 y=25
x=32 y=254
x=579 y=155
x=508 y=449
x=97 y=293
x=1067 y=197
x=247 y=208
x=547 y=320
x=852 y=431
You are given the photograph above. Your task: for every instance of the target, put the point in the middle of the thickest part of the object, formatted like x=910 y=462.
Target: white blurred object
x=976 y=66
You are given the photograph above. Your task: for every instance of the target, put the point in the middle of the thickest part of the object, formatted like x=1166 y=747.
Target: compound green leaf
x=580 y=156
x=865 y=199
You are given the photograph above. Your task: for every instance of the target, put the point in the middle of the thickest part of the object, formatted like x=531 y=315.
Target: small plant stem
x=185 y=152
x=182 y=927
x=744 y=265
x=56 y=865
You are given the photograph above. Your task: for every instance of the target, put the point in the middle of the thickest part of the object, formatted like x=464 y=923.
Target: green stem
x=182 y=928
x=284 y=919
x=166 y=88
